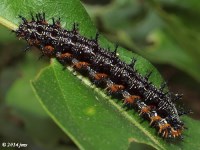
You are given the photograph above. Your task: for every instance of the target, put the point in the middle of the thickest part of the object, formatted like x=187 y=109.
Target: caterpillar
x=106 y=70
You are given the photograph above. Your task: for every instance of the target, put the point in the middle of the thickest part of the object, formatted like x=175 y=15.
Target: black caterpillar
x=105 y=70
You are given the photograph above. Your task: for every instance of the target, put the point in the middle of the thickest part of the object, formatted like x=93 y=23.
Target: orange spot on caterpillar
x=64 y=55
x=176 y=133
x=163 y=127
x=155 y=119
x=81 y=65
x=115 y=88
x=44 y=22
x=48 y=50
x=145 y=110
x=131 y=99
x=99 y=76
x=33 y=42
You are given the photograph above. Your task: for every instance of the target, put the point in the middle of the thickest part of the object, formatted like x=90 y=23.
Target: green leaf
x=88 y=116
x=84 y=112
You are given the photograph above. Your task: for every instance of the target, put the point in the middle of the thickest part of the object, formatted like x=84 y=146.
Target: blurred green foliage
x=163 y=31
